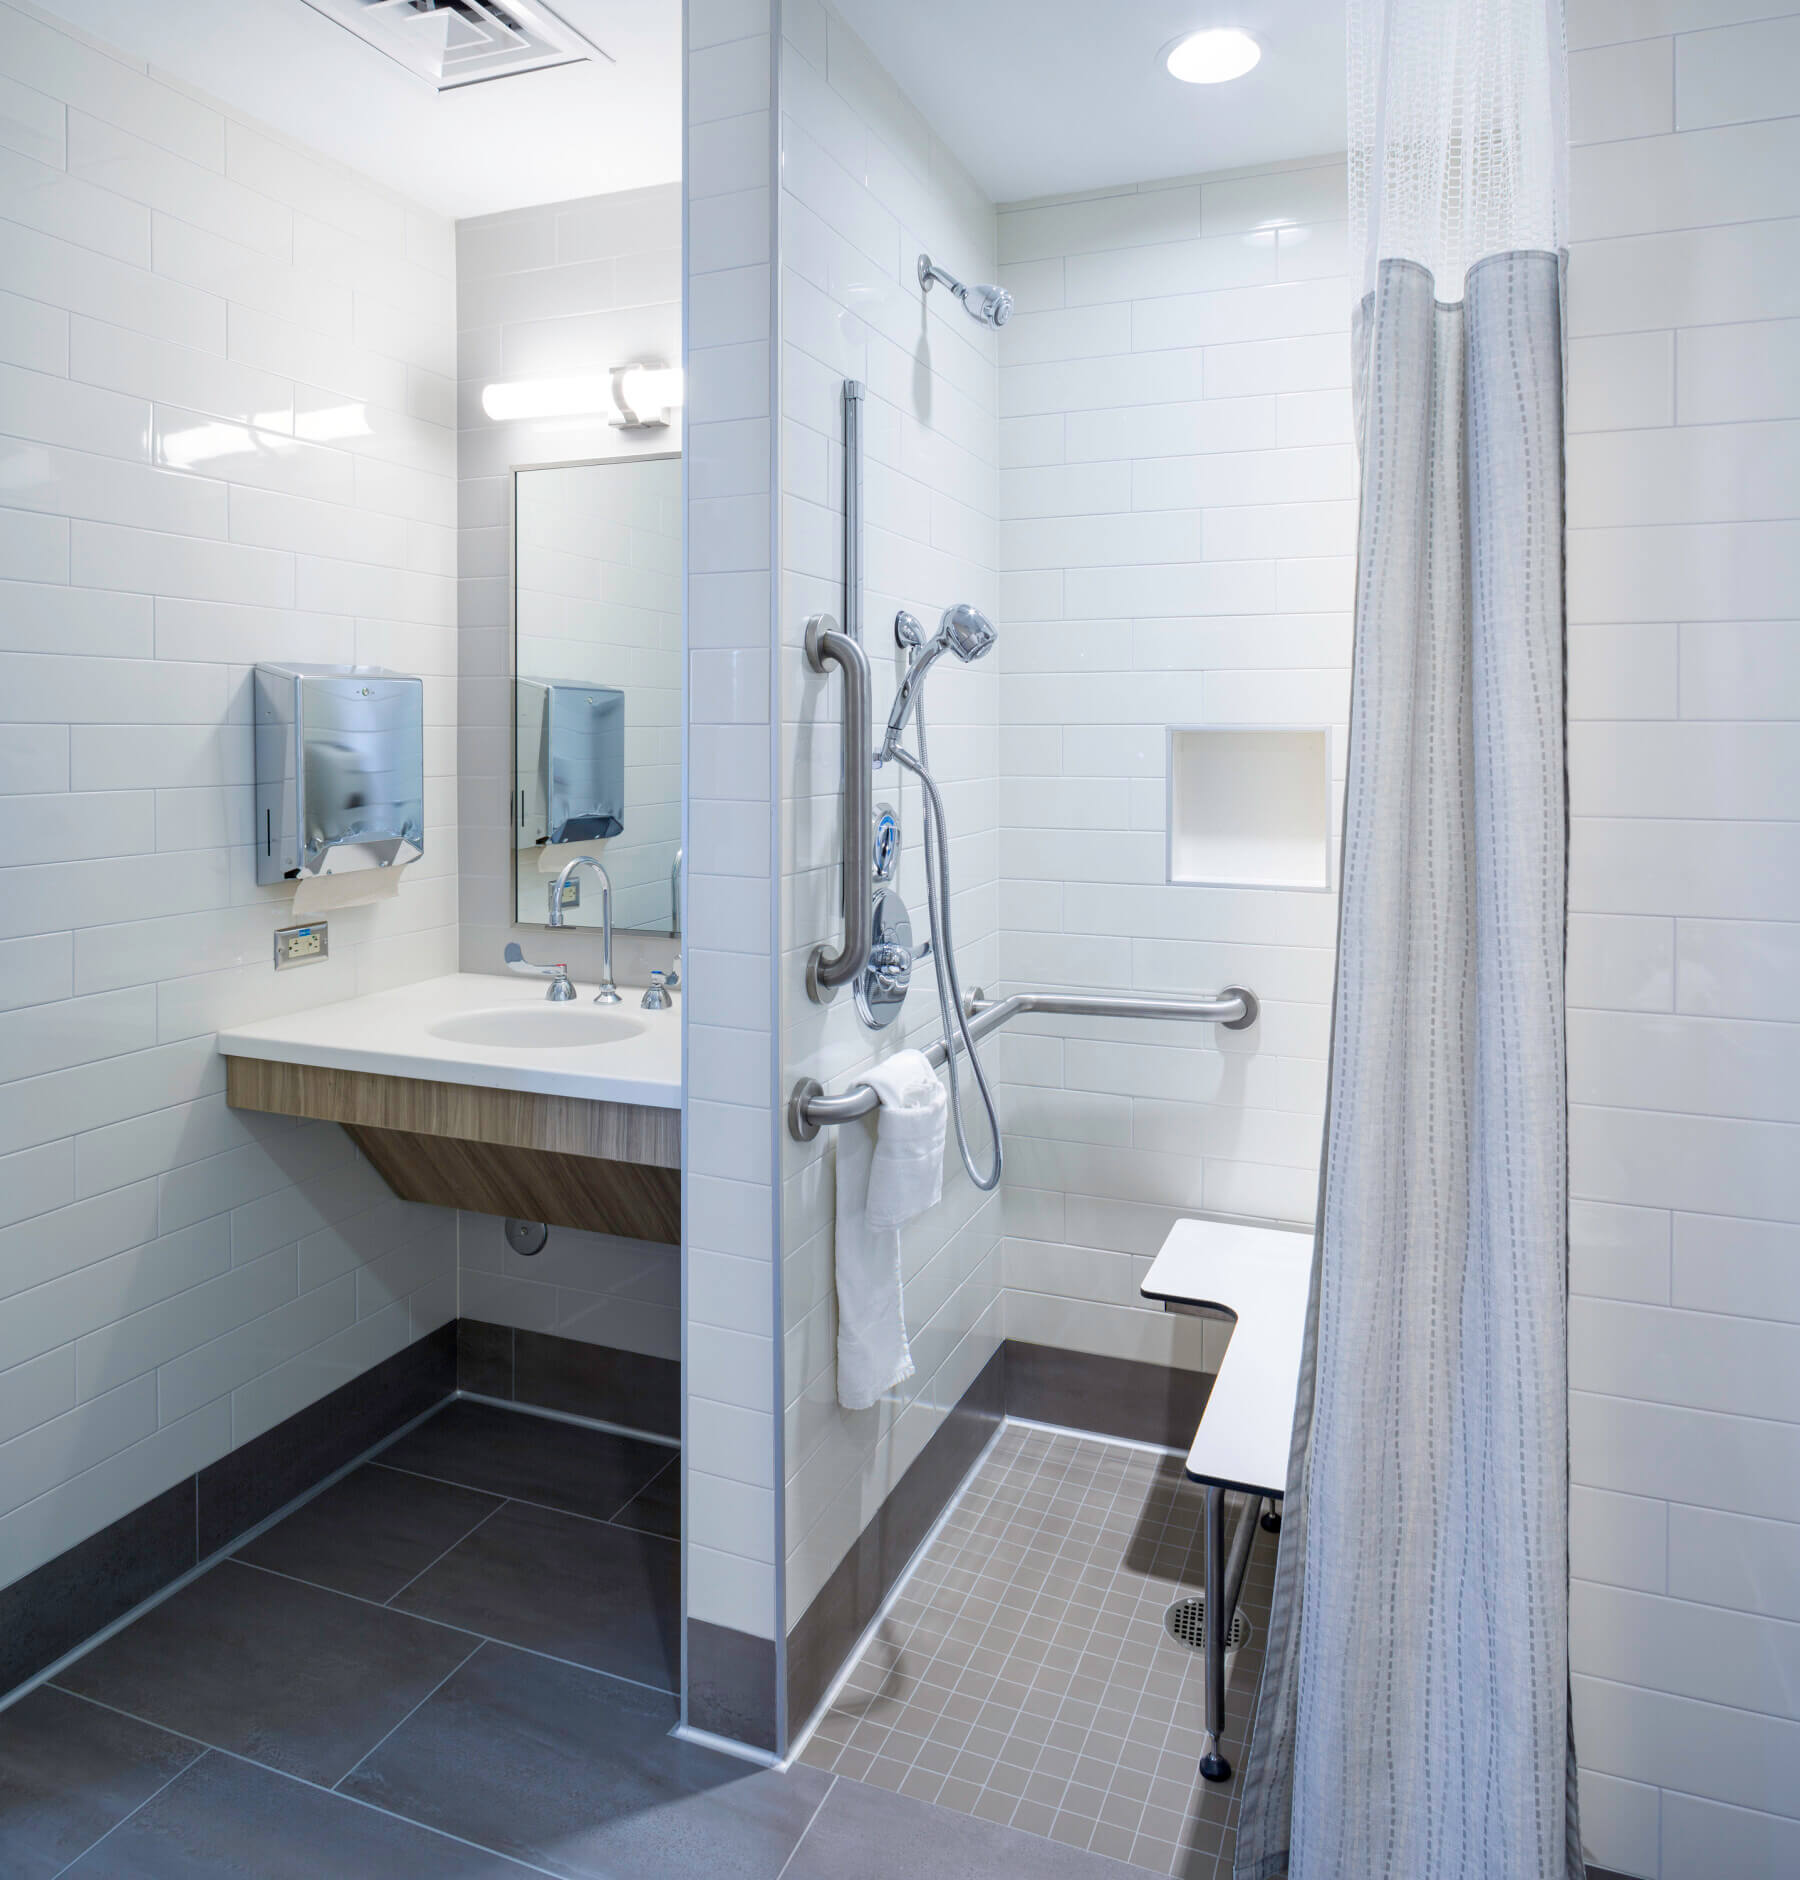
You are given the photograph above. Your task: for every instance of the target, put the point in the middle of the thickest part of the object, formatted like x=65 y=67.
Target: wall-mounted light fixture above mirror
x=597 y=687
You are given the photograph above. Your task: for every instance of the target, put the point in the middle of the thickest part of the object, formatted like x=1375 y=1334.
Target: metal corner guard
x=1236 y=1008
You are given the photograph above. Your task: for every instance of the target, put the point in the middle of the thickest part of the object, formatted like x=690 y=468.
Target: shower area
x=1066 y=466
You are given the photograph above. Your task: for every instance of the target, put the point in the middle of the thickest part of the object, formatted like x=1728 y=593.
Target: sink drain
x=1185 y=1621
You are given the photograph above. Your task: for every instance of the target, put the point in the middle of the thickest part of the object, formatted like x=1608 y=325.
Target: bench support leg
x=1213 y=1765
x=1224 y=1581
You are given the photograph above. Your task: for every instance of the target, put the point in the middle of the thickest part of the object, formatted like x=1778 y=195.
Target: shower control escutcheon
x=882 y=985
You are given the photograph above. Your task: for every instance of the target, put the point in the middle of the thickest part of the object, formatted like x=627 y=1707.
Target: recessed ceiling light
x=1212 y=57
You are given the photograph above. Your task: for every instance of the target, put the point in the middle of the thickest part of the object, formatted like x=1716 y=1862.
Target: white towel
x=889 y=1169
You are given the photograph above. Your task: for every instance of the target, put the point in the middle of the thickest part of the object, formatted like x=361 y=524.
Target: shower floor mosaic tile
x=1024 y=1674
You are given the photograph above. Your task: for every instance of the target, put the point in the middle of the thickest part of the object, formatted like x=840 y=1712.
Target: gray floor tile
x=225 y=1820
x=506 y=1452
x=578 y=1773
x=872 y=1835
x=291 y=1675
x=371 y=1533
x=68 y=1772
x=606 y=1597
x=657 y=1508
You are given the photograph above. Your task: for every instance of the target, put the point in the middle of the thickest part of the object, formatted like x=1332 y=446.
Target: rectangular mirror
x=597 y=688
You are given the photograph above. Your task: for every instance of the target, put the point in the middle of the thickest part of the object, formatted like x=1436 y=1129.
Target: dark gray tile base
x=264 y=1474
x=578 y=1773
x=69 y=1771
x=290 y=1675
x=601 y=1596
x=68 y=1599
x=1143 y=1403
x=569 y=1374
x=372 y=1533
x=227 y=1819
x=731 y=1683
x=874 y=1835
x=512 y=1453
x=829 y=1628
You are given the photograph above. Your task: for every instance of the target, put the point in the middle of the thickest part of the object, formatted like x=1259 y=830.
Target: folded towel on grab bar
x=890 y=1167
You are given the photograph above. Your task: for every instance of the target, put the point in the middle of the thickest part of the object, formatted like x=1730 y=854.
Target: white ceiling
x=576 y=130
x=1041 y=97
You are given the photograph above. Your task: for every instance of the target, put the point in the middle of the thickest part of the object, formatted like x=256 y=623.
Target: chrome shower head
x=991 y=305
x=965 y=631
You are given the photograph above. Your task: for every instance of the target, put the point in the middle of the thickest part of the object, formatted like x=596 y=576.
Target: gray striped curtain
x=1414 y=1718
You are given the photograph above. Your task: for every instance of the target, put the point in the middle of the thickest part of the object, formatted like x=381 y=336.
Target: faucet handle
x=562 y=988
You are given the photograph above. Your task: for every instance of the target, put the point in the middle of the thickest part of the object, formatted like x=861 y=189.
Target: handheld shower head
x=965 y=631
x=991 y=305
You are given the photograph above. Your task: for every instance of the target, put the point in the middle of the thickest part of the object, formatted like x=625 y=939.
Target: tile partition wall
x=1684 y=696
x=866 y=187
x=557 y=290
x=561 y=290
x=1178 y=485
x=731 y=1199
x=227 y=404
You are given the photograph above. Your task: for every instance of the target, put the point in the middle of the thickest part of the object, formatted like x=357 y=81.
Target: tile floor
x=456 y=1664
x=1024 y=1675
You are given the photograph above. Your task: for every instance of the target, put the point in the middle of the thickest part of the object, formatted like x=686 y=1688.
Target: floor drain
x=1185 y=1621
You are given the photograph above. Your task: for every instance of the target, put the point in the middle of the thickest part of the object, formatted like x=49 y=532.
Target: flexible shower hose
x=943 y=959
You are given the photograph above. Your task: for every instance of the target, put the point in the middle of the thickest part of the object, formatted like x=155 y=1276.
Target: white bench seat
x=1259 y=1277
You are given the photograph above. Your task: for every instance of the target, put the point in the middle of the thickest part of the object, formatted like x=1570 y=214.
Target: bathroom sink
x=536 y=1027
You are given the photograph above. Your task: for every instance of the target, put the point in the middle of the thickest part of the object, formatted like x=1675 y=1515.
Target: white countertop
x=389 y=1033
x=1262 y=1276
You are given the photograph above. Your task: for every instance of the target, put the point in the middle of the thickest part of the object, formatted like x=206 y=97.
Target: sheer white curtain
x=1413 y=1720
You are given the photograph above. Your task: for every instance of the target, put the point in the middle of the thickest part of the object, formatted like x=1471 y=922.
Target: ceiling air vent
x=464 y=42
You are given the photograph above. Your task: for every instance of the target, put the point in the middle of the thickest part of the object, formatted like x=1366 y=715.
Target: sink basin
x=537 y=1027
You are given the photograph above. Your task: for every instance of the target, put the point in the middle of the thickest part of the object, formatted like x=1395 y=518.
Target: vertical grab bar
x=826 y=971
x=853 y=503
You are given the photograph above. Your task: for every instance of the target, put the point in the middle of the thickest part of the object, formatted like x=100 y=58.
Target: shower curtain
x=1414 y=1715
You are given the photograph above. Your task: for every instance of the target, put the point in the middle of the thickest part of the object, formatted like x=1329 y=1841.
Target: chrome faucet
x=608 y=993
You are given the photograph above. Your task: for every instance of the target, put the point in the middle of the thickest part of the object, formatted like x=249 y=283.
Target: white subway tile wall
x=730 y=1196
x=226 y=435
x=1179 y=494
x=1684 y=699
x=867 y=186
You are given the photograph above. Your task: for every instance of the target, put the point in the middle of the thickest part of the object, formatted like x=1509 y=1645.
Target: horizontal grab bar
x=810 y=1110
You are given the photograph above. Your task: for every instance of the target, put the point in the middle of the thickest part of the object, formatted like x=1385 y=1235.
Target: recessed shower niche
x=1250 y=806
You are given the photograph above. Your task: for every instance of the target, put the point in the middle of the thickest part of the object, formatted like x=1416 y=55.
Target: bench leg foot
x=1213 y=1766
x=1271 y=1521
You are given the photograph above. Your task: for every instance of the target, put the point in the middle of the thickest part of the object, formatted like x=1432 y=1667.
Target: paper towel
x=355 y=887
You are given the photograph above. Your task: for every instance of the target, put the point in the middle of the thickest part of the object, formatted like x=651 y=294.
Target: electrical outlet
x=571 y=893
x=300 y=946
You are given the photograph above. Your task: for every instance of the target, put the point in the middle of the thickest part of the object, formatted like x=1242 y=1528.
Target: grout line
x=395 y=1594
x=548 y=1507
x=443 y=1625
x=831 y=1783
x=305 y=1782
x=201 y=1751
x=480 y=1644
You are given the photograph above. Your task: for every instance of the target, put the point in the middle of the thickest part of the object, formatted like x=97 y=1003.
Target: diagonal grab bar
x=826 y=971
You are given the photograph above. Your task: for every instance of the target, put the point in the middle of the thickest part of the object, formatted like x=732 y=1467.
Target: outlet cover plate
x=302 y=946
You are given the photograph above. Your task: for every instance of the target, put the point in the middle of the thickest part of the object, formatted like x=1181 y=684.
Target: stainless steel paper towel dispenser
x=571 y=761
x=340 y=770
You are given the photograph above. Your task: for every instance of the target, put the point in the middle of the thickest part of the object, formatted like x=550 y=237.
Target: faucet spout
x=608 y=993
